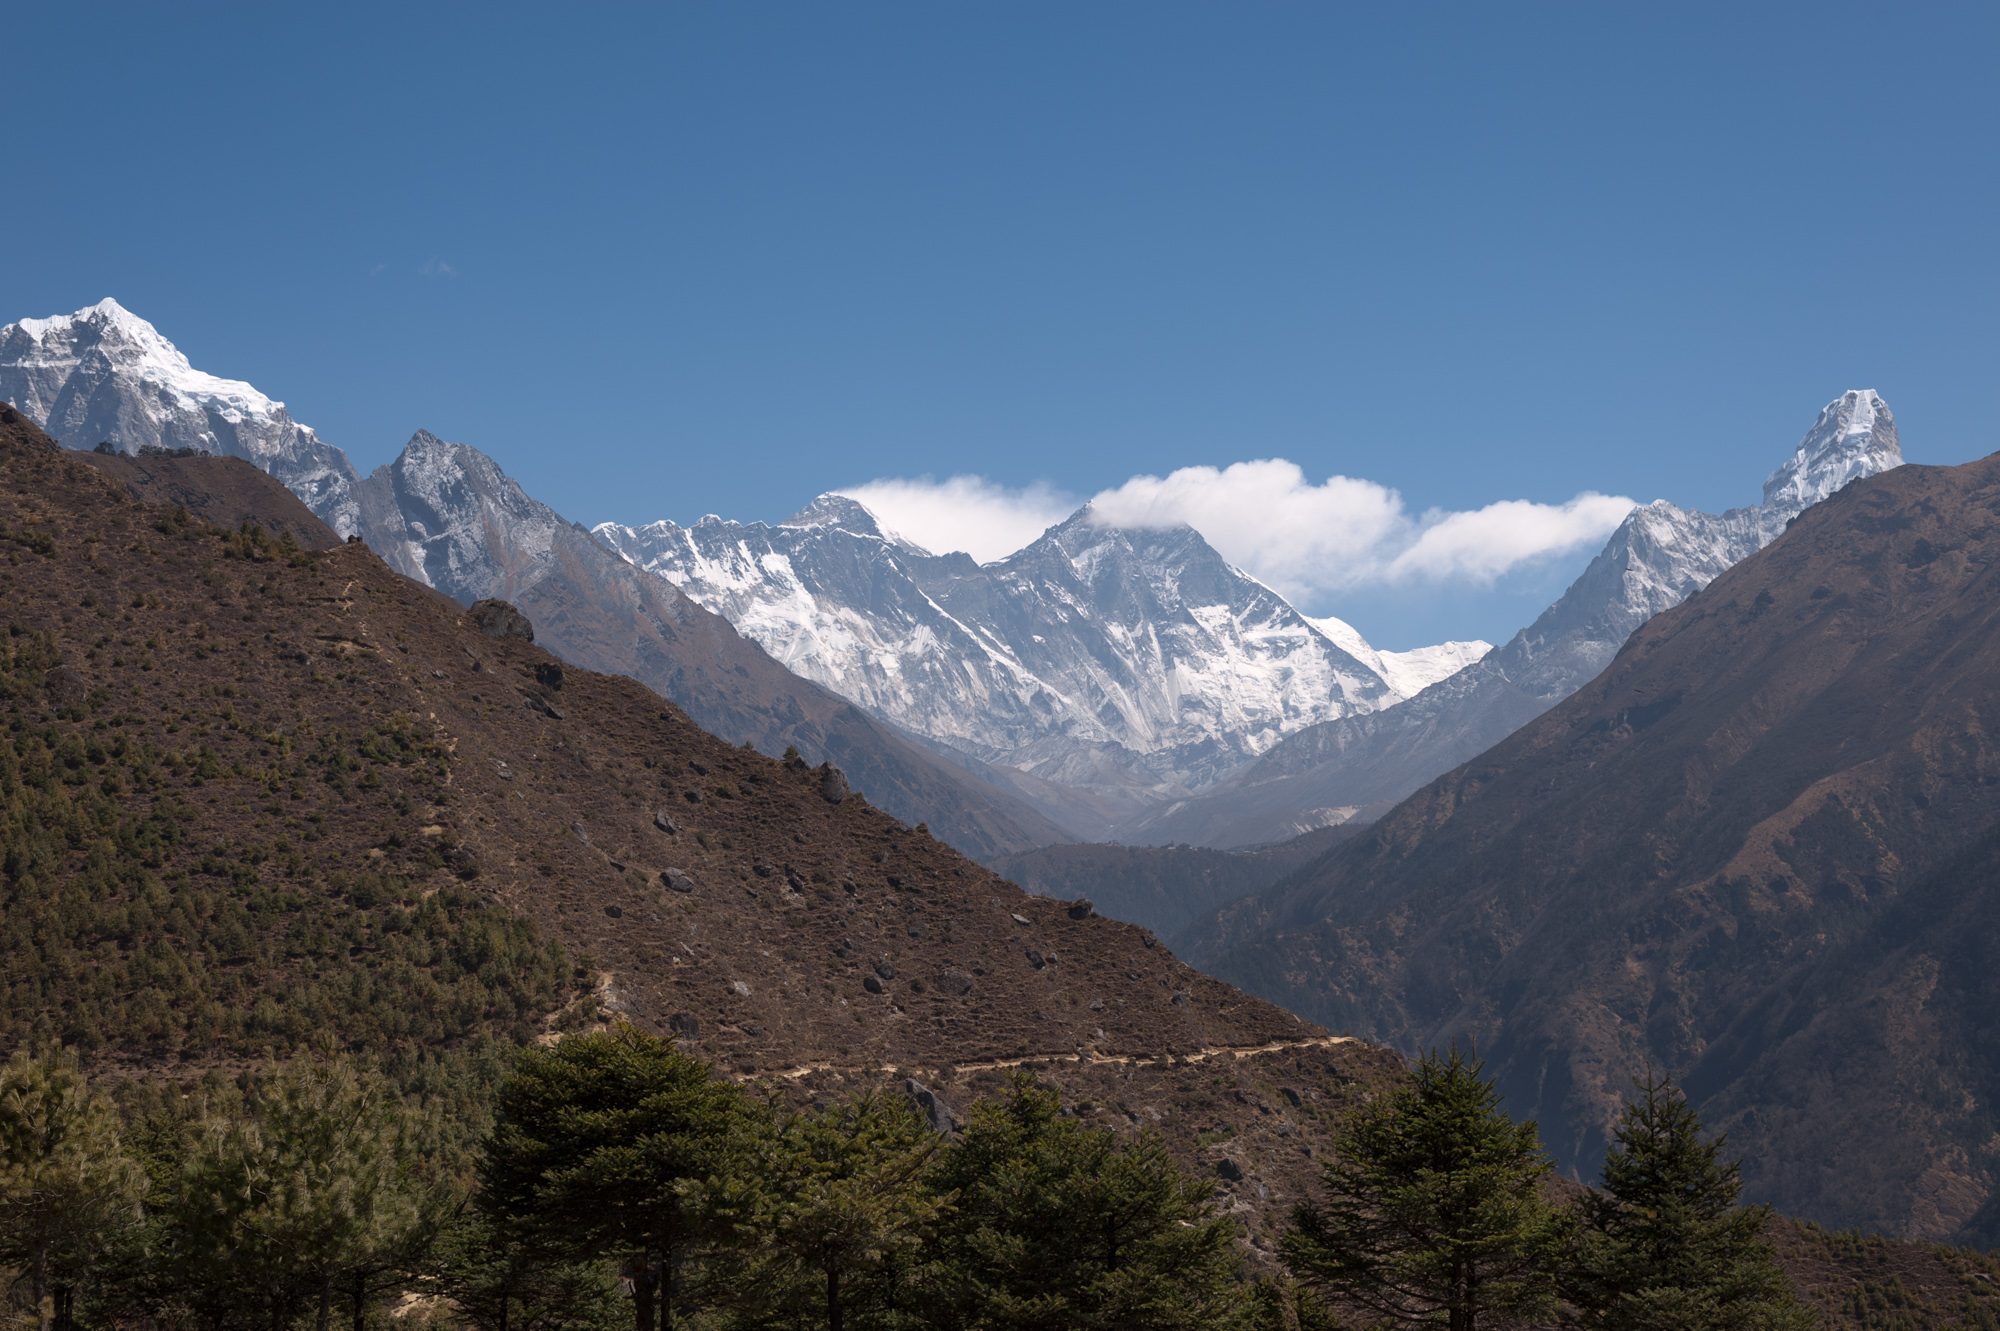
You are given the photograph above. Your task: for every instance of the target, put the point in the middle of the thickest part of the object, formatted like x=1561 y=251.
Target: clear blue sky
x=722 y=257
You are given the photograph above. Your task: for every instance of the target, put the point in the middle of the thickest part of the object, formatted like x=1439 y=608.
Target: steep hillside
x=225 y=497
x=1757 y=852
x=1358 y=766
x=258 y=796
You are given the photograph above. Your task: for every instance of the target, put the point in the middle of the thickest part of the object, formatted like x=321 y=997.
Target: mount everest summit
x=1101 y=682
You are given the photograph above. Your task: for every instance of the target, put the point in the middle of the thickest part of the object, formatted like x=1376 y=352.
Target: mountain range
x=447 y=515
x=1122 y=667
x=1754 y=851
x=266 y=793
x=1101 y=683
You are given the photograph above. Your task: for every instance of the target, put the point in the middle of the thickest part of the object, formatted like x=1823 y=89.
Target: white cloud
x=1307 y=539
x=983 y=518
x=1484 y=543
x=1267 y=518
x=436 y=267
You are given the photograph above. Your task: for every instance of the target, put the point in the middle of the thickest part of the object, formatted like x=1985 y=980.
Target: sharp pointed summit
x=103 y=375
x=836 y=510
x=1855 y=436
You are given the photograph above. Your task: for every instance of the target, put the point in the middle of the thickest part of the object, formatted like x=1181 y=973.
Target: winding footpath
x=1085 y=1057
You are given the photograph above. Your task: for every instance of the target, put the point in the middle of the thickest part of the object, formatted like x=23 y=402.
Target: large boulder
x=497 y=619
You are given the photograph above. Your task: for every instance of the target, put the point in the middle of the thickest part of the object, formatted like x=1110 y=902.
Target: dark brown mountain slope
x=220 y=491
x=253 y=796
x=1759 y=852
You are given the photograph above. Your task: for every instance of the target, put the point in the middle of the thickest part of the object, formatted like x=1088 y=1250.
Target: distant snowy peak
x=1407 y=673
x=104 y=375
x=109 y=333
x=1855 y=436
x=836 y=510
x=1413 y=671
x=1138 y=649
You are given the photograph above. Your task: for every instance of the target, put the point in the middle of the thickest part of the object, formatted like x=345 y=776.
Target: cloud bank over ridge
x=1304 y=538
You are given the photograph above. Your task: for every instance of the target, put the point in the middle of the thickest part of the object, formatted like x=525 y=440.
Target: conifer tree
x=1433 y=1213
x=1058 y=1226
x=616 y=1145
x=70 y=1194
x=289 y=1199
x=851 y=1204
x=507 y=1278
x=1665 y=1246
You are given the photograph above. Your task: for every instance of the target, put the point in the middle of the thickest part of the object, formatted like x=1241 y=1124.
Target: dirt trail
x=1088 y=1057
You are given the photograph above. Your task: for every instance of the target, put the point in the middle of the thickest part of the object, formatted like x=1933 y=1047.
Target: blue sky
x=675 y=259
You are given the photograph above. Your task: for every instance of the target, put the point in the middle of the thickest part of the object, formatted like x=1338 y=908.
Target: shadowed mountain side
x=1756 y=853
x=1165 y=888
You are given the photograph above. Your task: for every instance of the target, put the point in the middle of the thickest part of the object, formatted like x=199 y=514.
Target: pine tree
x=502 y=1278
x=1665 y=1246
x=1433 y=1213
x=70 y=1194
x=851 y=1205
x=1058 y=1226
x=294 y=1198
x=614 y=1142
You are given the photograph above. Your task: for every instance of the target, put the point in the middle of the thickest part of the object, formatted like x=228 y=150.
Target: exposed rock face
x=497 y=619
x=935 y=1111
x=1757 y=852
x=1358 y=766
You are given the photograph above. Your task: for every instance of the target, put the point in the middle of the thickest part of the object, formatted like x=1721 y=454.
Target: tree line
x=611 y=1180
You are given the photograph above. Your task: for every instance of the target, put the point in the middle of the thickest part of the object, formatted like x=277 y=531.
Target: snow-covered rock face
x=1407 y=673
x=104 y=375
x=1092 y=638
x=1855 y=436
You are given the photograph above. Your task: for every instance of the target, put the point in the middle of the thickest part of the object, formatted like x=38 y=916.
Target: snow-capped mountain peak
x=837 y=510
x=105 y=375
x=1855 y=436
x=109 y=336
x=1131 y=662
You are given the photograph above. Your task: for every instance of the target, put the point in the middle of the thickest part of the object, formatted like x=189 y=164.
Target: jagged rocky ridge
x=1358 y=766
x=447 y=515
